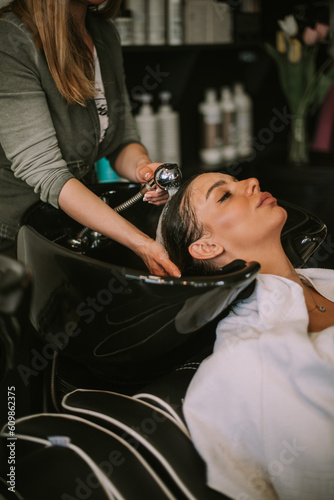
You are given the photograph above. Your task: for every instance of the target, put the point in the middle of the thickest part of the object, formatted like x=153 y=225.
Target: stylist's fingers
x=162 y=266
x=146 y=171
x=157 y=197
x=157 y=260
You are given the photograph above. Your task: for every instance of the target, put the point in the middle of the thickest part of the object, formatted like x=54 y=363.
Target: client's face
x=240 y=217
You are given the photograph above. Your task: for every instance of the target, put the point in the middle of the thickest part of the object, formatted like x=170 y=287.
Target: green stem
x=311 y=85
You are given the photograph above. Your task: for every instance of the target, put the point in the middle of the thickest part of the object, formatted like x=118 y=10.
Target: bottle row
x=174 y=22
x=226 y=125
x=159 y=131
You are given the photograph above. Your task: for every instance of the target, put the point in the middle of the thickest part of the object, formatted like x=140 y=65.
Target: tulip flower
x=310 y=36
x=281 y=42
x=289 y=26
x=295 y=51
x=322 y=30
x=304 y=83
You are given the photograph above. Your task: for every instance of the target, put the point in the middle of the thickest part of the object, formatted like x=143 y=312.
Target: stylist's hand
x=156 y=259
x=144 y=173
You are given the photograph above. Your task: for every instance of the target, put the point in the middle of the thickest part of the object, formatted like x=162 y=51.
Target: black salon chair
x=66 y=456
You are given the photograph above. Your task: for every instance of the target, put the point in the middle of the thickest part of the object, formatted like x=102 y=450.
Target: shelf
x=192 y=47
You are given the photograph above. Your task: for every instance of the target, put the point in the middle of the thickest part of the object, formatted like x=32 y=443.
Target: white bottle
x=147 y=127
x=229 y=147
x=124 y=25
x=168 y=131
x=211 y=135
x=137 y=8
x=156 y=17
x=175 y=22
x=244 y=121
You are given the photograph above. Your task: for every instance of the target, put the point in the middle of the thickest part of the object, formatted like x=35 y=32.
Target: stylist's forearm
x=87 y=209
x=129 y=159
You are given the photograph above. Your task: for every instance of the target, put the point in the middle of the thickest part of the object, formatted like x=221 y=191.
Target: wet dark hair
x=180 y=228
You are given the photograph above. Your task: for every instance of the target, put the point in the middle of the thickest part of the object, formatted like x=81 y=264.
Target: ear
x=203 y=249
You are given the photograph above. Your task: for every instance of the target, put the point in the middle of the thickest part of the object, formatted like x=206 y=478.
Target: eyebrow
x=214 y=186
x=217 y=184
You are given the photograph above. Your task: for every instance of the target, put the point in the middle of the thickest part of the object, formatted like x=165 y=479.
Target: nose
x=252 y=186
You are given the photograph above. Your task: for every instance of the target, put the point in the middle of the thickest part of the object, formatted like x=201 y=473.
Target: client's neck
x=276 y=262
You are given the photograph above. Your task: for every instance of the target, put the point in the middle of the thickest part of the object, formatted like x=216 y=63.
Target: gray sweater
x=43 y=141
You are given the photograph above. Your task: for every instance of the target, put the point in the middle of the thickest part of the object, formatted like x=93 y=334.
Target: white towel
x=260 y=409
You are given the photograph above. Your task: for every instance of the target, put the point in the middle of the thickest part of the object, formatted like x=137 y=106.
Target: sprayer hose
x=128 y=203
x=119 y=208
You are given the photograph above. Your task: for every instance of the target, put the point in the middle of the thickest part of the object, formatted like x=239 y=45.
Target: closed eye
x=224 y=197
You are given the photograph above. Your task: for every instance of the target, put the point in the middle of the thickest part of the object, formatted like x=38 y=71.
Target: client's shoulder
x=321 y=279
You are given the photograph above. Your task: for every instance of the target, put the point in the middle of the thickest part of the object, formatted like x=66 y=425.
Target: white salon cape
x=260 y=409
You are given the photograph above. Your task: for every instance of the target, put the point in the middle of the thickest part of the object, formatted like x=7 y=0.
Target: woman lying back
x=260 y=409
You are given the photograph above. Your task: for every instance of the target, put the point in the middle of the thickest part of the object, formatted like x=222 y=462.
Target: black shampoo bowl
x=95 y=304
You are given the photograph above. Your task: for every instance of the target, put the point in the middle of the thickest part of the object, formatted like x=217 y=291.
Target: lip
x=266 y=199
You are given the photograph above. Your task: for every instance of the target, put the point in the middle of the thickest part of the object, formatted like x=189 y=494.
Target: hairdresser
x=58 y=115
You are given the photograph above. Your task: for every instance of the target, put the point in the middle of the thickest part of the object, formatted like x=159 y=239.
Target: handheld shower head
x=166 y=176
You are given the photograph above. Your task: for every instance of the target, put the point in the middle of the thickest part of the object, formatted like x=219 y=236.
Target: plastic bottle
x=168 y=130
x=211 y=135
x=175 y=22
x=244 y=121
x=138 y=10
x=104 y=171
x=124 y=25
x=156 y=16
x=229 y=147
x=146 y=121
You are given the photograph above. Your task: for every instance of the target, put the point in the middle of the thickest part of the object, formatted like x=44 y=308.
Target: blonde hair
x=69 y=59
